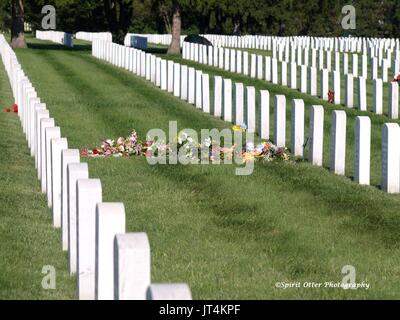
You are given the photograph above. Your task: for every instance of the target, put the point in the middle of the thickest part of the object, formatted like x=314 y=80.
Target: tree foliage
x=284 y=17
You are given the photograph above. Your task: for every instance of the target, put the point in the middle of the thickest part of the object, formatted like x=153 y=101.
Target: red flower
x=8 y=110
x=95 y=151
x=84 y=152
x=331 y=96
x=15 y=107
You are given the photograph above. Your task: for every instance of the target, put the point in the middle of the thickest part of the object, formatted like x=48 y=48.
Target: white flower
x=259 y=148
x=249 y=146
x=182 y=137
x=207 y=142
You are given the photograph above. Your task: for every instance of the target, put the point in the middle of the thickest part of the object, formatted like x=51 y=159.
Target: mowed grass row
x=28 y=242
x=226 y=236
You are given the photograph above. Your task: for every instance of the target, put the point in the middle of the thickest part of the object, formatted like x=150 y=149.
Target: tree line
x=374 y=18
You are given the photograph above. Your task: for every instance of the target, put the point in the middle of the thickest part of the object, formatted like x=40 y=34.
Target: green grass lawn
x=27 y=239
x=226 y=236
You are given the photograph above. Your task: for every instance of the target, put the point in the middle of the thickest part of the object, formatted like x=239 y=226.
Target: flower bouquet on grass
x=189 y=149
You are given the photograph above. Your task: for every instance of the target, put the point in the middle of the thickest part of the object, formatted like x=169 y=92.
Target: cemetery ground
x=228 y=237
x=28 y=241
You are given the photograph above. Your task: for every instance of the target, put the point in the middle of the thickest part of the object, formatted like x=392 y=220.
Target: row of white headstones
x=263 y=42
x=109 y=263
x=267 y=68
x=193 y=86
x=91 y=36
x=347 y=44
x=286 y=52
x=59 y=37
x=370 y=47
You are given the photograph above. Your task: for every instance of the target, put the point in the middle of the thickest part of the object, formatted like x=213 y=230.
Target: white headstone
x=364 y=70
x=164 y=76
x=362 y=150
x=184 y=83
x=374 y=68
x=206 y=93
x=345 y=63
x=284 y=73
x=274 y=71
x=268 y=70
x=293 y=75
x=132 y=274
x=312 y=81
x=50 y=133
x=217 y=96
x=40 y=114
x=362 y=94
x=158 y=72
x=110 y=221
x=166 y=291
x=378 y=96
x=67 y=157
x=253 y=66
x=316 y=135
x=199 y=97
x=239 y=67
x=260 y=66
x=245 y=63
x=89 y=194
x=239 y=103
x=264 y=114
x=251 y=109
x=44 y=124
x=338 y=142
x=324 y=84
x=233 y=61
x=336 y=86
x=192 y=86
x=280 y=121
x=303 y=74
x=393 y=100
x=177 y=79
x=355 y=65
x=75 y=171
x=226 y=59
x=170 y=76
x=390 y=158
x=228 y=100
x=297 y=128
x=57 y=145
x=349 y=90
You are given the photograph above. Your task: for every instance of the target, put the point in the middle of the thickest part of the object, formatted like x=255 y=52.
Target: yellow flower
x=236 y=128
x=247 y=157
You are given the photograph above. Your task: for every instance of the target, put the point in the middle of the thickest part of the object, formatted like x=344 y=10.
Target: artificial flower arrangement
x=396 y=78
x=331 y=96
x=14 y=108
x=189 y=149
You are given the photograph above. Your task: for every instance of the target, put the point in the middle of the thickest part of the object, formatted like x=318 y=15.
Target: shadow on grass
x=156 y=50
x=50 y=46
